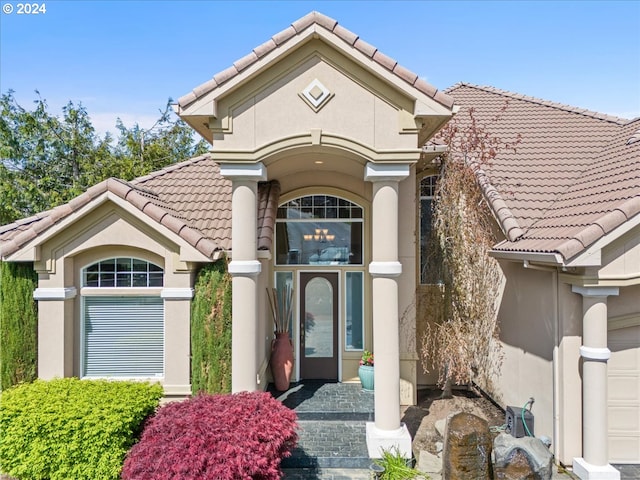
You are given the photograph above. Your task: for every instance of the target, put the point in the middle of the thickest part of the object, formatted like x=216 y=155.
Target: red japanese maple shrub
x=239 y=436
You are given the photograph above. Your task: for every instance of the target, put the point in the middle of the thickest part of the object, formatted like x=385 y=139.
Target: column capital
x=54 y=293
x=244 y=267
x=601 y=354
x=385 y=269
x=244 y=171
x=386 y=172
x=176 y=293
x=595 y=291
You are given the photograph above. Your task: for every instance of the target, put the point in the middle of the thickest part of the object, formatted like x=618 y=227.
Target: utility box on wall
x=514 y=421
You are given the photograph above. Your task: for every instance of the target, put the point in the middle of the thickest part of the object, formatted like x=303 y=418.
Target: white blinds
x=123 y=336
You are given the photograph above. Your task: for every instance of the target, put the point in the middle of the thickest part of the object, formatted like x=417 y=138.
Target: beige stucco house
x=568 y=204
x=319 y=167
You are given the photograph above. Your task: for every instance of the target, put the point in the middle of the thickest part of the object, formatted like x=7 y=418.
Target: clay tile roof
x=573 y=178
x=296 y=28
x=634 y=138
x=190 y=198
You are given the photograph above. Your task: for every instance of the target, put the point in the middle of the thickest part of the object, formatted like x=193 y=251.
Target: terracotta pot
x=282 y=360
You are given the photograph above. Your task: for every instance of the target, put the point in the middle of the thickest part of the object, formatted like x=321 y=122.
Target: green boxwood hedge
x=69 y=428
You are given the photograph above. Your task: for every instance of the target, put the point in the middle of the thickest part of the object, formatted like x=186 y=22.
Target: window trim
x=131 y=272
x=154 y=292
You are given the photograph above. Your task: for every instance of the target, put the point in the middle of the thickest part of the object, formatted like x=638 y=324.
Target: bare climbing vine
x=462 y=341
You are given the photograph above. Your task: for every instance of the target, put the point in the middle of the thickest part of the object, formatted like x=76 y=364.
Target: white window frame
x=95 y=292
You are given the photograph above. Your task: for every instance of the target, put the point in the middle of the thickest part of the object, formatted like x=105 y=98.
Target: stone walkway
x=331 y=420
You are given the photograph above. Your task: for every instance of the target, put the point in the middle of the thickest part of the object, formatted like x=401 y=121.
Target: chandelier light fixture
x=321 y=235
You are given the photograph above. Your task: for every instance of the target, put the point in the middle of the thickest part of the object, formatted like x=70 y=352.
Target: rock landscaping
x=454 y=439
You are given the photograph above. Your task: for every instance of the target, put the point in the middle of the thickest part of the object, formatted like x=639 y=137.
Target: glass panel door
x=319 y=325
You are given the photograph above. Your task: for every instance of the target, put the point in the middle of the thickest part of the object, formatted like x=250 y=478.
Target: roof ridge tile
x=365 y=47
x=284 y=35
x=303 y=22
x=296 y=28
x=245 y=61
x=505 y=217
x=169 y=169
x=262 y=49
x=346 y=35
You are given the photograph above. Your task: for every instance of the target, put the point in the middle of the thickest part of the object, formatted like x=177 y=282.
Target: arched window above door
x=319 y=230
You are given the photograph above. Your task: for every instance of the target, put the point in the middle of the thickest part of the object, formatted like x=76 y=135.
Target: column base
x=586 y=471
x=378 y=440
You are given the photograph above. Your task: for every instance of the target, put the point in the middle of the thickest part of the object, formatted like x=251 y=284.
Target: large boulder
x=429 y=463
x=525 y=458
x=467 y=448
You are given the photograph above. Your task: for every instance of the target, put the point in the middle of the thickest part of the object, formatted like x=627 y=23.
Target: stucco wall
x=527 y=315
x=621 y=258
x=627 y=303
x=533 y=301
x=269 y=107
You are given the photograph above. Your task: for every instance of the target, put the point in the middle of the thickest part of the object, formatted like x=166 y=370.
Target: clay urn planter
x=281 y=303
x=282 y=360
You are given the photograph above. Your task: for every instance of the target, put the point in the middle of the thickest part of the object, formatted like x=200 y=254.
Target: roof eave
x=30 y=250
x=591 y=255
x=544 y=258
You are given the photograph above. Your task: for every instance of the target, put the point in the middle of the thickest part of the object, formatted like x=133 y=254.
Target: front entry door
x=319 y=325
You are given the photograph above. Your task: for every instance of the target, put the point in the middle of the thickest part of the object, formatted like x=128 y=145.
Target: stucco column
x=384 y=268
x=177 y=340
x=55 y=331
x=244 y=268
x=595 y=354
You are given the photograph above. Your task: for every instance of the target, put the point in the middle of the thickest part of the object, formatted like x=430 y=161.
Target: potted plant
x=365 y=372
x=281 y=303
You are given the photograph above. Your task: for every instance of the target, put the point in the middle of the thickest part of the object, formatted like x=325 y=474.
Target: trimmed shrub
x=219 y=437
x=69 y=428
x=18 y=324
x=211 y=330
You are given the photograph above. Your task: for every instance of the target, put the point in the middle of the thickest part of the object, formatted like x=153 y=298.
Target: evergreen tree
x=18 y=324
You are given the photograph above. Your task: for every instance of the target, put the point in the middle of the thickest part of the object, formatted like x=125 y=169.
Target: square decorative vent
x=316 y=95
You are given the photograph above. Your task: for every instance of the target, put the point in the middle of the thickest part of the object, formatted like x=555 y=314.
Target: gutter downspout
x=556 y=367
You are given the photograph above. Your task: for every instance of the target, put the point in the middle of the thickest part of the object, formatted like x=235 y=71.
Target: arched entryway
x=319 y=252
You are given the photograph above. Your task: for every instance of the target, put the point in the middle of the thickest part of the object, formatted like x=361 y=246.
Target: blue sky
x=125 y=58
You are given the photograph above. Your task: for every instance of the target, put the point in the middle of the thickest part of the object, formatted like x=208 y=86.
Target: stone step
x=326 y=474
x=336 y=416
x=330 y=444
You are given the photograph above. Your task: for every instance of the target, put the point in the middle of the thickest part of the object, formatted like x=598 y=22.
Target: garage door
x=624 y=395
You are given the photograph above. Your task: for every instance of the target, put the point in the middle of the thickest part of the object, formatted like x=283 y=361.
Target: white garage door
x=624 y=395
